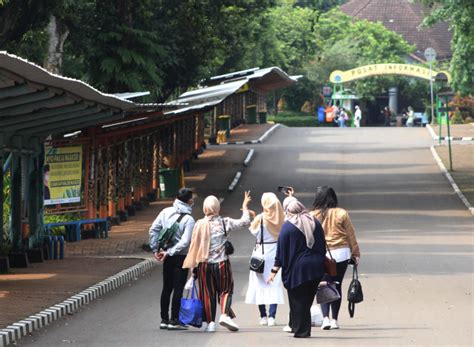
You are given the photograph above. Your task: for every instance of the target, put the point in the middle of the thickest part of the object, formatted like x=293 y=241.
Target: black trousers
x=301 y=298
x=335 y=305
x=174 y=280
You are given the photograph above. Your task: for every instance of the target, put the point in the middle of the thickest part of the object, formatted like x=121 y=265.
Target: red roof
x=404 y=17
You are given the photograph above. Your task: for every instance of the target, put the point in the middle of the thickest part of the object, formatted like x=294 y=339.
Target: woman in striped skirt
x=207 y=254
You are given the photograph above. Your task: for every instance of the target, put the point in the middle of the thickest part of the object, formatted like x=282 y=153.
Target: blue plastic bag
x=190 y=312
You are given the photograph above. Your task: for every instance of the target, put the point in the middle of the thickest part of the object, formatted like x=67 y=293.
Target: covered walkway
x=121 y=145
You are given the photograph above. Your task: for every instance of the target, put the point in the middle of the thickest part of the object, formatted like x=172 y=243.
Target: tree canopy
x=168 y=46
x=460 y=16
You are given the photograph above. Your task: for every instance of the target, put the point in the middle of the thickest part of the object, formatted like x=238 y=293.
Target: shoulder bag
x=330 y=266
x=257 y=264
x=228 y=246
x=354 y=293
x=327 y=293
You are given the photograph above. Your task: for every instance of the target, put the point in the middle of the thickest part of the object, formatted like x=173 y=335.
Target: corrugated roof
x=404 y=17
x=37 y=103
x=265 y=80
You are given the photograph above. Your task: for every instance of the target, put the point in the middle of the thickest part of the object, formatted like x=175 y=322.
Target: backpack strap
x=223 y=224
x=181 y=216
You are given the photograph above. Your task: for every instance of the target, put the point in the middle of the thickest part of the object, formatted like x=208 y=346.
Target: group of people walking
x=290 y=240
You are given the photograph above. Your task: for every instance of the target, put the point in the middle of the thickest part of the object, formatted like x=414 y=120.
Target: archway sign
x=339 y=76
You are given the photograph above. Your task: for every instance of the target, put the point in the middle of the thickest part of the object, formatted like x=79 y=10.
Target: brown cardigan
x=338 y=229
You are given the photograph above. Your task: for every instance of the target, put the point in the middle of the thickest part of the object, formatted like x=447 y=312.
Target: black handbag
x=258 y=264
x=354 y=293
x=228 y=246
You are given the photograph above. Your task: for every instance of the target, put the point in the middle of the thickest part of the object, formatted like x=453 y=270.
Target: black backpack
x=354 y=293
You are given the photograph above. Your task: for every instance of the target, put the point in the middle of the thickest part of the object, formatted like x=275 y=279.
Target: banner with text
x=62 y=175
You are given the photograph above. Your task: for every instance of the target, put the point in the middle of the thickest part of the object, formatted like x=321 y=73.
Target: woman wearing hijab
x=259 y=292
x=300 y=256
x=341 y=240
x=207 y=254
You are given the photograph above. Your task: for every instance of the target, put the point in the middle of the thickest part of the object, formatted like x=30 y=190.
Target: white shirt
x=340 y=254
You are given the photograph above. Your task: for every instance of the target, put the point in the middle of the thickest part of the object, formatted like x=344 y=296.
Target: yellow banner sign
x=381 y=70
x=62 y=175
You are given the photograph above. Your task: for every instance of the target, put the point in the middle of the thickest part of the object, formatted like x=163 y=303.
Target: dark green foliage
x=460 y=16
x=297 y=119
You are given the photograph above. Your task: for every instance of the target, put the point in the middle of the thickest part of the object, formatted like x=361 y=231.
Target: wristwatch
x=274 y=271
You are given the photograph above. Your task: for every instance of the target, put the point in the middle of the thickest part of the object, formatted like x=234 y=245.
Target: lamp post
x=430 y=55
x=445 y=95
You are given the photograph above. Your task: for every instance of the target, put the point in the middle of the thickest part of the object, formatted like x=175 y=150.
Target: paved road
x=416 y=240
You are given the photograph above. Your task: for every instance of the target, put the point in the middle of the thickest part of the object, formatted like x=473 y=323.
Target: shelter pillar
x=2 y=173
x=128 y=172
x=121 y=189
x=102 y=180
x=112 y=183
x=34 y=190
x=393 y=99
x=90 y=184
x=15 y=188
x=156 y=161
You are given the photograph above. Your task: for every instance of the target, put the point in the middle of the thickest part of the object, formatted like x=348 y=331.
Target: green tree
x=346 y=44
x=460 y=16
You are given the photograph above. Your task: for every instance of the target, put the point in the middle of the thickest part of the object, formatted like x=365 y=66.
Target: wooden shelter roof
x=35 y=103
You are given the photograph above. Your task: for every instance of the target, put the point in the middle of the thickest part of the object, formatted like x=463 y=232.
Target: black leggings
x=174 y=279
x=335 y=305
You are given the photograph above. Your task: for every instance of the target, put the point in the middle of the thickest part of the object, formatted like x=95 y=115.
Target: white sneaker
x=227 y=322
x=263 y=321
x=326 y=324
x=334 y=324
x=271 y=322
x=287 y=329
x=211 y=327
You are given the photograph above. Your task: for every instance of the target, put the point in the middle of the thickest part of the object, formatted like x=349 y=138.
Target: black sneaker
x=175 y=325
x=164 y=324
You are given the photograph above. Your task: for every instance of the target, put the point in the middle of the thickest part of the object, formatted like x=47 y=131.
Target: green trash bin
x=262 y=117
x=169 y=182
x=224 y=124
x=251 y=114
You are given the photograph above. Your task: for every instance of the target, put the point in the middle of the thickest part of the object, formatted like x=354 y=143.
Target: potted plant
x=5 y=249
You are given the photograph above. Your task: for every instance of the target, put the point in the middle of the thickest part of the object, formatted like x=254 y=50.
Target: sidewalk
x=248 y=132
x=42 y=285
x=30 y=290
x=463 y=167
x=458 y=131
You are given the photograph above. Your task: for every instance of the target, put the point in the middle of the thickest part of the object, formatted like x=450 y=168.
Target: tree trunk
x=58 y=33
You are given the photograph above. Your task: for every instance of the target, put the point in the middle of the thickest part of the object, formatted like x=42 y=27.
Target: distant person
x=300 y=256
x=387 y=115
x=357 y=116
x=174 y=277
x=343 y=117
x=341 y=240
x=207 y=254
x=410 y=117
x=47 y=191
x=259 y=292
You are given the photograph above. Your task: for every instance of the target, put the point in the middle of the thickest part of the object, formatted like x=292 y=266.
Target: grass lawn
x=296 y=119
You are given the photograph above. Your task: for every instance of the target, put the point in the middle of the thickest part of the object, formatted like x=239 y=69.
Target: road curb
x=445 y=138
x=268 y=133
x=451 y=180
x=235 y=181
x=249 y=157
x=252 y=142
x=24 y=327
